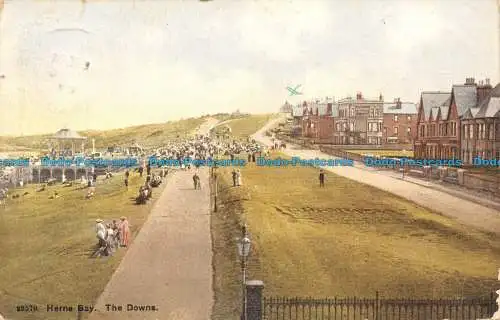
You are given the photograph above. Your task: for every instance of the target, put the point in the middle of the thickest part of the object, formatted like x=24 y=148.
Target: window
x=492 y=133
x=409 y=118
x=395 y=118
x=385 y=130
x=408 y=130
x=471 y=131
x=396 y=130
x=498 y=155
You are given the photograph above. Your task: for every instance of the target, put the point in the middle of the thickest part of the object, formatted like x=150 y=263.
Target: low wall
x=328 y=143
x=490 y=184
x=485 y=183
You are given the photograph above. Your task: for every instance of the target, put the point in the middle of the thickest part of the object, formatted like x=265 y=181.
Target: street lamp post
x=244 y=245
x=216 y=187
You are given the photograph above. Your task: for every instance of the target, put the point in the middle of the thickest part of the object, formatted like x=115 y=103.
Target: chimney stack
x=483 y=90
x=381 y=97
x=359 y=96
x=470 y=81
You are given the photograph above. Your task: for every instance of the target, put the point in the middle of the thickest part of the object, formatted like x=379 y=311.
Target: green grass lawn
x=347 y=239
x=384 y=153
x=45 y=244
x=242 y=128
x=147 y=135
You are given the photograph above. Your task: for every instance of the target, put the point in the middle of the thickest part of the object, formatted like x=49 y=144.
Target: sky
x=161 y=60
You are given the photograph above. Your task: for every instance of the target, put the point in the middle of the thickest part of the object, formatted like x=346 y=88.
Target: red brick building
x=318 y=120
x=400 y=122
x=480 y=126
x=439 y=118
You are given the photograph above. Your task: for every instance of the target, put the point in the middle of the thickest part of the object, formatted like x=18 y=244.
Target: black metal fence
x=377 y=309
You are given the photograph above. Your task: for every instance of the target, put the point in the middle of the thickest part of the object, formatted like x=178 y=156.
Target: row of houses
x=357 y=120
x=463 y=123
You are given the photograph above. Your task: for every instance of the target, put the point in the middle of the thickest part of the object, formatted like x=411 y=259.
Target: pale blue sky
x=154 y=61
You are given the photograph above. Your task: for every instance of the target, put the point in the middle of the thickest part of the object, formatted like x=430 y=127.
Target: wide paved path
x=465 y=211
x=169 y=264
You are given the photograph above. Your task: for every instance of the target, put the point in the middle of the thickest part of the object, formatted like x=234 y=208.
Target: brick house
x=439 y=118
x=480 y=126
x=359 y=121
x=400 y=122
x=318 y=120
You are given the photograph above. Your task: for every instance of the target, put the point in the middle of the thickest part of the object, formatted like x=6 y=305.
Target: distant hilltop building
x=286 y=108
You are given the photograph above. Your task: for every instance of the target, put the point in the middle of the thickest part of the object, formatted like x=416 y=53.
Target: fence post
x=254 y=299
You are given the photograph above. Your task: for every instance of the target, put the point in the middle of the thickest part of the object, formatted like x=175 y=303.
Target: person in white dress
x=238 y=178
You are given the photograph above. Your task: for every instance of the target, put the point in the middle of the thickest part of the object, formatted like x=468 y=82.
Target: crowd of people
x=112 y=235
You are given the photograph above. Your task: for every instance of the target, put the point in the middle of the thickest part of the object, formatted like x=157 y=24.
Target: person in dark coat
x=235 y=177
x=141 y=170
x=321 y=178
x=148 y=169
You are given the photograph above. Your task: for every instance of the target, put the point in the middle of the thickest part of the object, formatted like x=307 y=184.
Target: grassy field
x=347 y=239
x=244 y=127
x=384 y=153
x=146 y=135
x=45 y=244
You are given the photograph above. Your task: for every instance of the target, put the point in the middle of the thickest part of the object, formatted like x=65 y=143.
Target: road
x=169 y=264
x=467 y=212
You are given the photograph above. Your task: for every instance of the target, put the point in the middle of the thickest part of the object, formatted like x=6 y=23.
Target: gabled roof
x=490 y=106
x=445 y=108
x=465 y=97
x=406 y=108
x=470 y=113
x=433 y=99
x=433 y=114
x=68 y=134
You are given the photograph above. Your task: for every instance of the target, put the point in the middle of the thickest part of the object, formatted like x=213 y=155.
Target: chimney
x=470 y=81
x=381 y=97
x=398 y=103
x=483 y=90
x=359 y=96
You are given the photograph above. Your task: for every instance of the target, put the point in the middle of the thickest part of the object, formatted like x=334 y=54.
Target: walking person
x=238 y=178
x=234 y=174
x=198 y=181
x=124 y=231
x=321 y=178
x=127 y=174
x=195 y=181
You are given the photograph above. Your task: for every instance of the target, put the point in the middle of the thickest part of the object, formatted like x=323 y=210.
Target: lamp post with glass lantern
x=244 y=245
